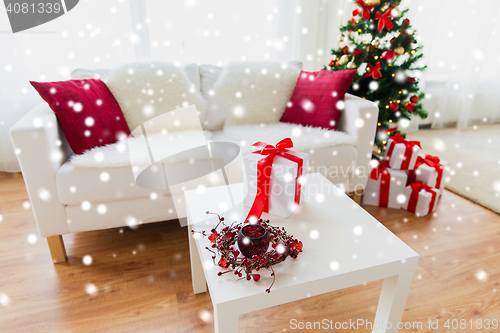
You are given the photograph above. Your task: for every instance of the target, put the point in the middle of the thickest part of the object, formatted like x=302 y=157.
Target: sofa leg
x=57 y=250
x=356 y=196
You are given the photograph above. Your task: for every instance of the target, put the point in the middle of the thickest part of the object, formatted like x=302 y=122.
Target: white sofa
x=57 y=189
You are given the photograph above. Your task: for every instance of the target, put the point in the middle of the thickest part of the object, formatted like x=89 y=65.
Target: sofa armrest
x=359 y=119
x=41 y=149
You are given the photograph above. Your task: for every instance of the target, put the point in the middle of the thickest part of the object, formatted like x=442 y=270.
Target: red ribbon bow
x=264 y=167
x=415 y=190
x=384 y=20
x=373 y=71
x=433 y=162
x=385 y=182
x=365 y=9
x=398 y=138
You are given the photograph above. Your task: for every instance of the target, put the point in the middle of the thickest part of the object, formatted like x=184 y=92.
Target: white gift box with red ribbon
x=282 y=193
x=421 y=199
x=401 y=154
x=430 y=170
x=384 y=186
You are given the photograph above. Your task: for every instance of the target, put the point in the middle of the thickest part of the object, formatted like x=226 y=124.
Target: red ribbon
x=433 y=162
x=415 y=190
x=385 y=182
x=384 y=20
x=373 y=71
x=398 y=138
x=264 y=167
x=365 y=9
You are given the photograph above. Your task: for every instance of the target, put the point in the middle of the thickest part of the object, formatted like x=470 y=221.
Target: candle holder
x=253 y=240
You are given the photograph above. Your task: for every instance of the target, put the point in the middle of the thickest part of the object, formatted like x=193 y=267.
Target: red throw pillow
x=314 y=100
x=87 y=111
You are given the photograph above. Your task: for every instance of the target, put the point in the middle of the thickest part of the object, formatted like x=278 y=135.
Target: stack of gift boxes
x=405 y=179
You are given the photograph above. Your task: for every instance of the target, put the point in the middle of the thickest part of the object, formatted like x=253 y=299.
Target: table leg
x=197 y=275
x=392 y=303
x=226 y=319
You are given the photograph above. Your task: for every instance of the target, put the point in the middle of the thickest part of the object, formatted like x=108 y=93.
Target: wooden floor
x=139 y=280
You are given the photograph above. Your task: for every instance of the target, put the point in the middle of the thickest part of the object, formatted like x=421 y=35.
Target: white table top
x=339 y=238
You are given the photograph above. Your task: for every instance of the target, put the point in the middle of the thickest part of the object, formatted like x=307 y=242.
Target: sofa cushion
x=216 y=112
x=318 y=98
x=191 y=71
x=88 y=113
x=304 y=138
x=256 y=92
x=145 y=90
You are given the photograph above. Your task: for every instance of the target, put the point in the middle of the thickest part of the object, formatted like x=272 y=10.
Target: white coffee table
x=344 y=246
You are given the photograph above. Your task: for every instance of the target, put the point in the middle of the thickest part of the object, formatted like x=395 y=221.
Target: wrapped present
x=401 y=154
x=274 y=177
x=421 y=199
x=384 y=186
x=430 y=170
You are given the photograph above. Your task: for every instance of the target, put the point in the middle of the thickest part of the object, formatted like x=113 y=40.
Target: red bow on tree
x=374 y=71
x=365 y=9
x=384 y=20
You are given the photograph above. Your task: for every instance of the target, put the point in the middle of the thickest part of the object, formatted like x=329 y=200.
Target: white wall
x=220 y=31
x=95 y=33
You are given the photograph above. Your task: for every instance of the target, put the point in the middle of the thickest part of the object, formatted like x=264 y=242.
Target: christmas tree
x=380 y=42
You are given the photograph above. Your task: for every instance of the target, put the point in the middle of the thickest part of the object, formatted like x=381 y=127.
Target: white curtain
x=462 y=50
x=315 y=29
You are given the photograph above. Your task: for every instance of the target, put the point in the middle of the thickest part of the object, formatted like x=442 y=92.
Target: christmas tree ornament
x=331 y=63
x=344 y=60
x=363 y=9
x=388 y=55
x=414 y=99
x=357 y=52
x=399 y=50
x=410 y=80
x=406 y=22
x=384 y=20
x=373 y=71
x=372 y=2
x=352 y=65
x=345 y=49
x=393 y=106
x=376 y=42
x=410 y=106
x=396 y=12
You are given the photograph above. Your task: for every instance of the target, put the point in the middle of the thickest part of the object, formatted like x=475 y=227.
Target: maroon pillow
x=87 y=111
x=314 y=100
